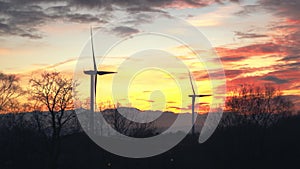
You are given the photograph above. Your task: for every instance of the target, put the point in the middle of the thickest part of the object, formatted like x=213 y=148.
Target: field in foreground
x=234 y=147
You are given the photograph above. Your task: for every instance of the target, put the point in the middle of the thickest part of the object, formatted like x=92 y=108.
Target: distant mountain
x=160 y=120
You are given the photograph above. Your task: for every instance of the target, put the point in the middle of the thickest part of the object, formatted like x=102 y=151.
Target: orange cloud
x=241 y=53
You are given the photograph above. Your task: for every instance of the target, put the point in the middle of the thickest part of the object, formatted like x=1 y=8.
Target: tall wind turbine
x=193 y=96
x=93 y=74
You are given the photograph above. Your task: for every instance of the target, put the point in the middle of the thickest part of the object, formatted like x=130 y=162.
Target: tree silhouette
x=254 y=110
x=126 y=126
x=10 y=90
x=54 y=92
x=261 y=105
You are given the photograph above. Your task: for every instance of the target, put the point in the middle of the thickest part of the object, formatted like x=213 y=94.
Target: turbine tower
x=93 y=74
x=193 y=96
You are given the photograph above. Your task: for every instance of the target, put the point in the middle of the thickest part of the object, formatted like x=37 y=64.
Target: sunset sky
x=257 y=41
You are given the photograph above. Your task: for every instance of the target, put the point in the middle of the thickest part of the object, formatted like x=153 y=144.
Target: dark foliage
x=237 y=146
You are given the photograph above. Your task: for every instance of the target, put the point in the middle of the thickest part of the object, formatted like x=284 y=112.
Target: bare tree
x=38 y=116
x=126 y=126
x=10 y=90
x=253 y=109
x=260 y=105
x=54 y=92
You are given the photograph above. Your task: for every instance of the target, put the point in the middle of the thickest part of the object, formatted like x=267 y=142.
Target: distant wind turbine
x=93 y=74
x=193 y=96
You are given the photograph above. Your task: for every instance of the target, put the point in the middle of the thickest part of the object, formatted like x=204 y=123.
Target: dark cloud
x=83 y=18
x=99 y=4
x=241 y=53
x=21 y=20
x=124 y=30
x=275 y=79
x=290 y=67
x=4 y=28
x=30 y=35
x=285 y=8
x=137 y=19
x=287 y=11
x=286 y=72
x=248 y=9
x=242 y=35
x=7 y=29
x=146 y=3
x=290 y=58
x=212 y=74
x=232 y=58
x=262 y=48
x=143 y=9
x=58 y=10
x=23 y=17
x=293 y=66
x=233 y=73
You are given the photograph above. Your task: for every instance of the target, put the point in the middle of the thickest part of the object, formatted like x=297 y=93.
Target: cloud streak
x=242 y=35
x=274 y=79
x=124 y=31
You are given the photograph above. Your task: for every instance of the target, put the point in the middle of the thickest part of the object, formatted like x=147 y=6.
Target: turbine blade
x=94 y=60
x=203 y=95
x=104 y=72
x=191 y=83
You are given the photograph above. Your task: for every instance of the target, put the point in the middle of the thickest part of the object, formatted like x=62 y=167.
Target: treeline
x=236 y=146
x=254 y=113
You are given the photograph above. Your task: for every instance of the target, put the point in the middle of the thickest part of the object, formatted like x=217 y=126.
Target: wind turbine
x=93 y=74
x=193 y=96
